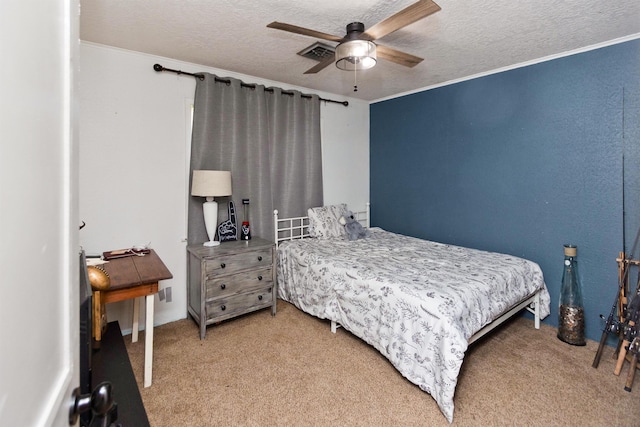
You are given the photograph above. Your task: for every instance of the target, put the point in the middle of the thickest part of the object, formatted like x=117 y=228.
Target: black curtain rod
x=160 y=68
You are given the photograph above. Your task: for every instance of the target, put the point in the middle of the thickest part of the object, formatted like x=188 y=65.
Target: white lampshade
x=210 y=184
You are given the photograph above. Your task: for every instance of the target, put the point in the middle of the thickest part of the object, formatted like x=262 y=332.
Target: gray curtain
x=268 y=140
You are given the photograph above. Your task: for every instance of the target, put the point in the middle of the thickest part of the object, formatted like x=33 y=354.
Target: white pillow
x=324 y=222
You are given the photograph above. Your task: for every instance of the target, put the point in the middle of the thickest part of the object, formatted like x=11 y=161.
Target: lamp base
x=210 y=211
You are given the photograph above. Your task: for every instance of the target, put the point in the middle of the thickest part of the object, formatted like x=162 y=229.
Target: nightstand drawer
x=228 y=264
x=239 y=304
x=238 y=283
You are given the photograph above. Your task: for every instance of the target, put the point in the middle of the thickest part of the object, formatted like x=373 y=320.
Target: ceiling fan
x=349 y=52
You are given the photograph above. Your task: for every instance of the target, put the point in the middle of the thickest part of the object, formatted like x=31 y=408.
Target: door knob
x=100 y=402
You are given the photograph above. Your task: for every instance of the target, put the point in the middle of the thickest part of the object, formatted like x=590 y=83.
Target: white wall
x=133 y=159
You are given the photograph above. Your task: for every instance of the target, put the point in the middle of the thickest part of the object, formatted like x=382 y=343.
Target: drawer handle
x=259 y=258
x=224 y=307
x=259 y=277
x=269 y=290
x=260 y=297
x=223 y=286
x=223 y=265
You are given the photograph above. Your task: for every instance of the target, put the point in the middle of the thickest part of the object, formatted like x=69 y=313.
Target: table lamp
x=211 y=184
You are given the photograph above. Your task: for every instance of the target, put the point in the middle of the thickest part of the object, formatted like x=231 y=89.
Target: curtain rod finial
x=158 y=67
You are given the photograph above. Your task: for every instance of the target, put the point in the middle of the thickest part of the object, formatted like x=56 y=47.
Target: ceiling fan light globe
x=368 y=62
x=356 y=55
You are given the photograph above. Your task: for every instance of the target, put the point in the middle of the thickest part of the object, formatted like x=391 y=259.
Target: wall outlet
x=168 y=293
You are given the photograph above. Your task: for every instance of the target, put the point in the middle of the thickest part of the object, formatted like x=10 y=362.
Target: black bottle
x=245 y=233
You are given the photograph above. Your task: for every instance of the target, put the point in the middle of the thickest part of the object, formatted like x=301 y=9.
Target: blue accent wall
x=520 y=162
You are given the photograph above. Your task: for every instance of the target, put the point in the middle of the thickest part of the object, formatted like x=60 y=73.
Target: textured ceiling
x=465 y=38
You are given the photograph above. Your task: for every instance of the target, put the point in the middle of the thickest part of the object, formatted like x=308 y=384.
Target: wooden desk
x=137 y=277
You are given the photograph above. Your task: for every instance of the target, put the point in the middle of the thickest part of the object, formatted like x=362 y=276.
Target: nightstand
x=229 y=280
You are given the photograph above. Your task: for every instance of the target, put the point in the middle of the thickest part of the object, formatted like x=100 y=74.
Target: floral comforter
x=416 y=301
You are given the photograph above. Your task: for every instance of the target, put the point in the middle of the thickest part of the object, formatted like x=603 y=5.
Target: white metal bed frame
x=298 y=228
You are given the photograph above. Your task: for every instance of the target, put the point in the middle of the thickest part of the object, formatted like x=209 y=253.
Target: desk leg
x=96 y=316
x=148 y=342
x=136 y=319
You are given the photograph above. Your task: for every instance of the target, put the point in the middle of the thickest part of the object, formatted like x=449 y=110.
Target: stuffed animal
x=355 y=230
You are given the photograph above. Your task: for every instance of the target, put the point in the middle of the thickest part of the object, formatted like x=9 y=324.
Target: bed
x=419 y=303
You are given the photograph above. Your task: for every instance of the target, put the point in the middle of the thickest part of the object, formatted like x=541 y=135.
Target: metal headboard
x=298 y=227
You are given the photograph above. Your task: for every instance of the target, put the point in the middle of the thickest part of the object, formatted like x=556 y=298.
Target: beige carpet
x=290 y=370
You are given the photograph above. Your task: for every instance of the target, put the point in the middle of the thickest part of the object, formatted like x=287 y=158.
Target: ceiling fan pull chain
x=355 y=80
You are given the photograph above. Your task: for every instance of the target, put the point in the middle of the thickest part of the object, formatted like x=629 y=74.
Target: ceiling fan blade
x=304 y=31
x=398 y=57
x=330 y=59
x=406 y=16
